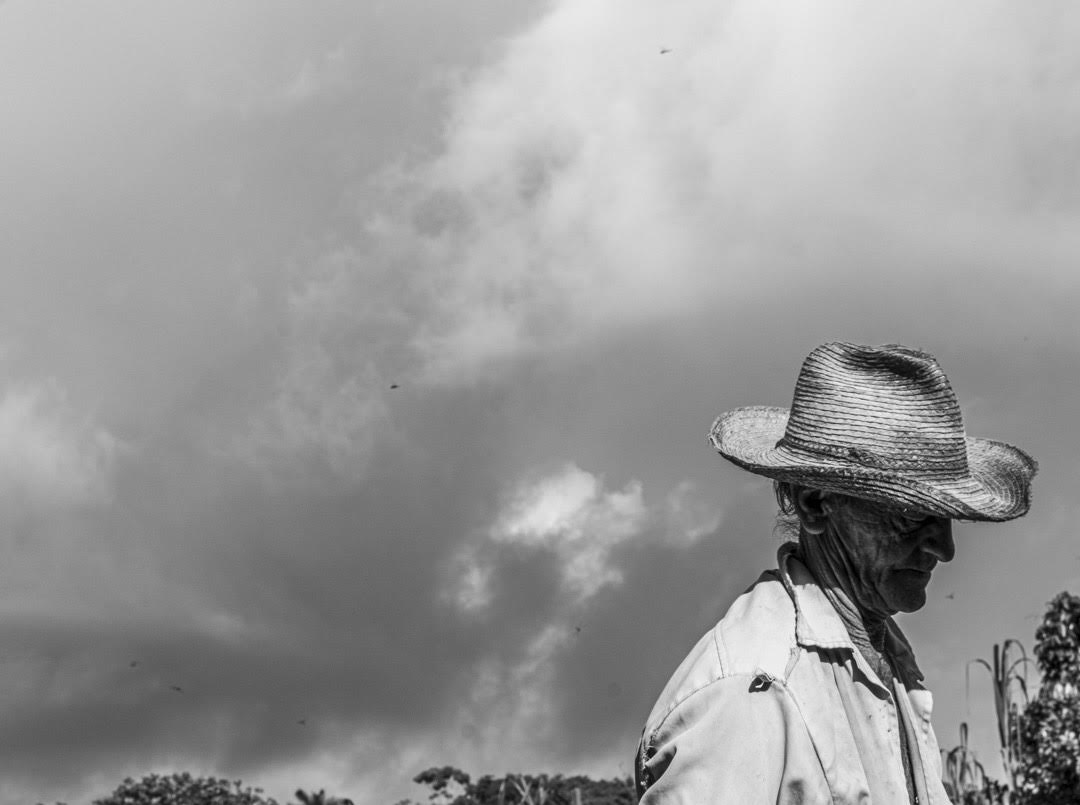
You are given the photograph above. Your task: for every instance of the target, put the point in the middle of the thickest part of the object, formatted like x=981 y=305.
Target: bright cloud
x=572 y=514
x=589 y=182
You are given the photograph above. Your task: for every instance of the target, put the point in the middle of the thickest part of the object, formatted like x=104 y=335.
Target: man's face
x=895 y=550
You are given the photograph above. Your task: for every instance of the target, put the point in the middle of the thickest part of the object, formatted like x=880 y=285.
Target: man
x=806 y=691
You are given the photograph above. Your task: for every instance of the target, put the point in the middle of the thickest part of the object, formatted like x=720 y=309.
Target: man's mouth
x=922 y=568
x=918 y=571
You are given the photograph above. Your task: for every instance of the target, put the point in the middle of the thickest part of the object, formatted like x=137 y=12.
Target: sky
x=357 y=359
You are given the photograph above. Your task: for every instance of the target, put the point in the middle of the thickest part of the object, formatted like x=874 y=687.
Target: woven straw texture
x=880 y=423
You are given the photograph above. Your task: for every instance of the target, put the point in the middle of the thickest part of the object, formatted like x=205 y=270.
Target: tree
x=454 y=787
x=183 y=789
x=1049 y=730
x=320 y=798
x=447 y=784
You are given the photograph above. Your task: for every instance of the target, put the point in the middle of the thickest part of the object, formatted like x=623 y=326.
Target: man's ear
x=810 y=507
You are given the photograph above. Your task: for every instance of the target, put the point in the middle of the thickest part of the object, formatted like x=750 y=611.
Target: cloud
x=320 y=425
x=277 y=88
x=317 y=77
x=52 y=454
x=571 y=515
x=592 y=534
x=611 y=187
x=689 y=515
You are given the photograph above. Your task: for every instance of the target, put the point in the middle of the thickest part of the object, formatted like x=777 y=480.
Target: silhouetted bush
x=183 y=789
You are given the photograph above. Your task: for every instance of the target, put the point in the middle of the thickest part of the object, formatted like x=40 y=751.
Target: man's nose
x=938 y=540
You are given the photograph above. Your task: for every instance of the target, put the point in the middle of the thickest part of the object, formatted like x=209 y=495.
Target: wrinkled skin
x=895 y=552
x=891 y=552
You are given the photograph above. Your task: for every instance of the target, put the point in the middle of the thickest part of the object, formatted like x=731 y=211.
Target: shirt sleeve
x=738 y=740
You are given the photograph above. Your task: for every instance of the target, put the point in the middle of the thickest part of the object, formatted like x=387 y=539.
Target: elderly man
x=806 y=691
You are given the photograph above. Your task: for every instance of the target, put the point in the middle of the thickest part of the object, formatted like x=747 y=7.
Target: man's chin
x=910 y=597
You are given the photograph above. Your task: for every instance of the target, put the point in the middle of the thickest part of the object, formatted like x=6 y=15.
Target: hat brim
x=996 y=488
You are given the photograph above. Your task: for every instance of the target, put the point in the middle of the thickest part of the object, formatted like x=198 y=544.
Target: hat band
x=862 y=456
x=954 y=465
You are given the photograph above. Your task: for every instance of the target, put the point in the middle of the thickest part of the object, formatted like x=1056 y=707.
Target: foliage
x=320 y=798
x=454 y=787
x=1049 y=732
x=991 y=793
x=1056 y=644
x=1006 y=679
x=963 y=773
x=444 y=781
x=965 y=778
x=183 y=789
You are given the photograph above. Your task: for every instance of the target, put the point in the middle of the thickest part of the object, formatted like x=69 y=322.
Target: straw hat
x=880 y=423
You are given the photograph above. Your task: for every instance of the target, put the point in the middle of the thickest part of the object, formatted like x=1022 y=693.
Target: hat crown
x=887 y=407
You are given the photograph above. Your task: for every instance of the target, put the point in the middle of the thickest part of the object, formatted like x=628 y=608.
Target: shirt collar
x=818 y=625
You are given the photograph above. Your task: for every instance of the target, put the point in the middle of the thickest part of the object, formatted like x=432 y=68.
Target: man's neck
x=866 y=628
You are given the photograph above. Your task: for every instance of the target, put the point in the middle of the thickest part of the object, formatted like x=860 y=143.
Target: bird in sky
x=951 y=596
x=177 y=688
x=664 y=50
x=302 y=722
x=133 y=664
x=394 y=386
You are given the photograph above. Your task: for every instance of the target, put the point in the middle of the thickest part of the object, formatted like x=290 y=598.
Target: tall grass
x=1006 y=678
x=963 y=772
